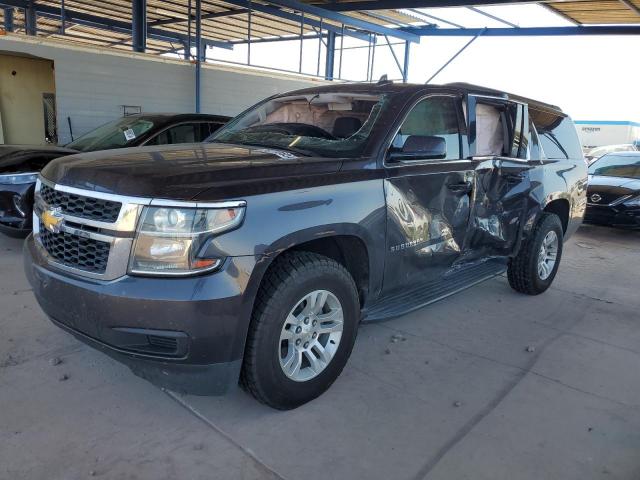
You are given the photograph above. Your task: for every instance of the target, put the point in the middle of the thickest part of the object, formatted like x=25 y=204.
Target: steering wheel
x=301 y=129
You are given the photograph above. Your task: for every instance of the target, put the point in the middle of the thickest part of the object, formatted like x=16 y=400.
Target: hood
x=13 y=156
x=612 y=188
x=207 y=172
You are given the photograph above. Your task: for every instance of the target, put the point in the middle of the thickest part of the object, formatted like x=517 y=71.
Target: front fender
x=277 y=222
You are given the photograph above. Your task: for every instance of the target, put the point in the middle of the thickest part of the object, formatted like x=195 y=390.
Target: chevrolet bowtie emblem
x=52 y=219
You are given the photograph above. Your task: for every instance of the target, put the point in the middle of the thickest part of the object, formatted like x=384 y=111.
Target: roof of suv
x=458 y=88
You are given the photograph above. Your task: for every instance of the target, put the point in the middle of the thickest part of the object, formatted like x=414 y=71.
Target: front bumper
x=184 y=334
x=617 y=216
x=16 y=205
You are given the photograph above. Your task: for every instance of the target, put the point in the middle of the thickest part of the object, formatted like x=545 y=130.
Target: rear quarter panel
x=556 y=180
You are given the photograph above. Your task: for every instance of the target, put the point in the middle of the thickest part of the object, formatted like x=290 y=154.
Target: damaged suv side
x=254 y=257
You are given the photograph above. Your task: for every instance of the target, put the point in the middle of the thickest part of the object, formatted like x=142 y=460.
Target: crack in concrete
x=260 y=465
x=428 y=467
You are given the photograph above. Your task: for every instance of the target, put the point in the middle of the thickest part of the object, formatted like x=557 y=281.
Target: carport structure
x=193 y=29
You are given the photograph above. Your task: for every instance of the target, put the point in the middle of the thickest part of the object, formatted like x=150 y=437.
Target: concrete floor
x=460 y=398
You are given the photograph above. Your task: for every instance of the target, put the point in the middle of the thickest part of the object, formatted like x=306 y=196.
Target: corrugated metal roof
x=607 y=12
x=225 y=21
x=221 y=21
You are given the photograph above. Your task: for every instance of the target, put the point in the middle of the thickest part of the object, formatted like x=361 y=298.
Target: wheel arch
x=558 y=203
x=561 y=207
x=333 y=241
x=348 y=244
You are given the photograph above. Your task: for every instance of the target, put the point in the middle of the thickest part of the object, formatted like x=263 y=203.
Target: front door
x=499 y=146
x=428 y=199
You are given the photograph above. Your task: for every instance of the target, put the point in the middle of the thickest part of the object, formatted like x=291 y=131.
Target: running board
x=426 y=293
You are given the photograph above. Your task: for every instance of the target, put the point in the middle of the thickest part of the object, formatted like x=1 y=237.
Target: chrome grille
x=81 y=206
x=76 y=252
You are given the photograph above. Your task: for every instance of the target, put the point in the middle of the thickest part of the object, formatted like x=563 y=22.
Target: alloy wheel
x=310 y=335
x=548 y=255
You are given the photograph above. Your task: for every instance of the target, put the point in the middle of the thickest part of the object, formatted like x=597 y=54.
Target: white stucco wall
x=92 y=84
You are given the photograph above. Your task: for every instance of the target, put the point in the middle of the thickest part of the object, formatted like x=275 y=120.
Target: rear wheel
x=302 y=330
x=532 y=271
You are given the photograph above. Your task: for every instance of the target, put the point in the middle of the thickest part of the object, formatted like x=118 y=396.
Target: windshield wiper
x=300 y=151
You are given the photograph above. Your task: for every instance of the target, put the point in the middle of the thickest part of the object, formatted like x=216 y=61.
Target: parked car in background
x=20 y=164
x=613 y=195
x=313 y=210
x=595 y=153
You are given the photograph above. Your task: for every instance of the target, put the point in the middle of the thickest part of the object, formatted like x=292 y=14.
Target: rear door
x=498 y=132
x=428 y=200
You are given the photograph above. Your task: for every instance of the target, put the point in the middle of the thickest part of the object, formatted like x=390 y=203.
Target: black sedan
x=613 y=194
x=20 y=164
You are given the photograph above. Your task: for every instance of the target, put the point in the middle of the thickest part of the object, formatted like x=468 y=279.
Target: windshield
x=331 y=124
x=617 y=166
x=599 y=151
x=116 y=134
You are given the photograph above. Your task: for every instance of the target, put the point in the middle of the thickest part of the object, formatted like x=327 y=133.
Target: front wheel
x=302 y=331
x=532 y=271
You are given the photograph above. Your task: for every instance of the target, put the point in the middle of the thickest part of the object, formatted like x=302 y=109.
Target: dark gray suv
x=254 y=257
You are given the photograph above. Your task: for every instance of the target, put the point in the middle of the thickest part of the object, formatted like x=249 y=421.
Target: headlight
x=19 y=178
x=633 y=202
x=168 y=240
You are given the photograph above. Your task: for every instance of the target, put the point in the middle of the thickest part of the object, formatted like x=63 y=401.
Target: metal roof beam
x=104 y=23
x=492 y=17
x=292 y=38
x=206 y=16
x=527 y=31
x=433 y=17
x=276 y=12
x=400 y=4
x=346 y=20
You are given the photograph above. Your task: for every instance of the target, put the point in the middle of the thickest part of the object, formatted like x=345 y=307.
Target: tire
x=294 y=277
x=14 y=232
x=523 y=272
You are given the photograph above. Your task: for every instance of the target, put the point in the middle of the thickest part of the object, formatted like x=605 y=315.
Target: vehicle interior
x=323 y=115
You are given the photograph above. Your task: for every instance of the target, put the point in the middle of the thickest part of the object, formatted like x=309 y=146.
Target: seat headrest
x=344 y=127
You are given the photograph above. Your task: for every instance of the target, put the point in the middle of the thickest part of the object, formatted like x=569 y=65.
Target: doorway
x=27 y=100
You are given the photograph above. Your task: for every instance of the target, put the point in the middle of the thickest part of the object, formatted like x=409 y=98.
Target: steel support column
x=63 y=18
x=30 y=18
x=199 y=52
x=405 y=69
x=331 y=55
x=187 y=50
x=8 y=19
x=139 y=25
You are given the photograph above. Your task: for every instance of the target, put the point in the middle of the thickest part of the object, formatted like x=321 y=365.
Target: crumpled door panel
x=426 y=226
x=499 y=208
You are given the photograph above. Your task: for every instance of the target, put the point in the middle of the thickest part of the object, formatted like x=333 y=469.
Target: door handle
x=462 y=187
x=514 y=177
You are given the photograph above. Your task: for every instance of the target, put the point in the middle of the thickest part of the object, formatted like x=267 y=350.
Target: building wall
x=92 y=84
x=601 y=133
x=23 y=80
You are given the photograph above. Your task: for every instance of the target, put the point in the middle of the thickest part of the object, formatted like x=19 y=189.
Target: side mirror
x=420 y=147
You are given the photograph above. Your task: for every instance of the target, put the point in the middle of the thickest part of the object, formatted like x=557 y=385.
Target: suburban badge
x=52 y=219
